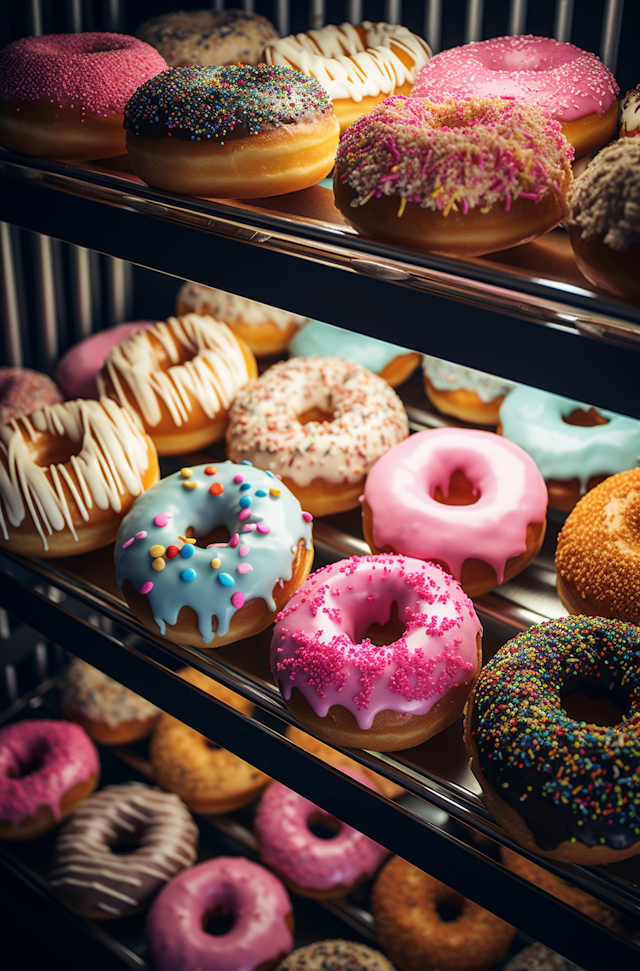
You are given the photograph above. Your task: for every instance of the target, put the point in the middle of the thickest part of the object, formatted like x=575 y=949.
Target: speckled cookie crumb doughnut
x=208 y=38
x=335 y=955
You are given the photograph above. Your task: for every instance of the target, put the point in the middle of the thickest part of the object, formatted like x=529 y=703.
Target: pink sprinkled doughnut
x=377 y=652
x=77 y=370
x=574 y=85
x=63 y=95
x=23 y=391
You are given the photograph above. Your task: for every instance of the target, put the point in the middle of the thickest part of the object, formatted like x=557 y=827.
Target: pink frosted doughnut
x=309 y=865
x=461 y=499
x=574 y=85
x=77 y=370
x=63 y=95
x=261 y=934
x=23 y=391
x=46 y=768
x=349 y=691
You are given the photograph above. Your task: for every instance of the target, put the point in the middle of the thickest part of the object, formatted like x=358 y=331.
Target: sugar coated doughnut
x=262 y=929
x=95 y=880
x=457 y=178
x=574 y=445
x=598 y=549
x=68 y=474
x=574 y=85
x=77 y=370
x=265 y=329
x=320 y=423
x=180 y=378
x=231 y=132
x=335 y=955
x=228 y=590
x=356 y=686
x=208 y=38
x=459 y=498
x=561 y=787
x=46 y=768
x=630 y=113
x=393 y=363
x=109 y=713
x=208 y=778
x=23 y=391
x=463 y=392
x=63 y=95
x=405 y=902
x=357 y=66
x=311 y=865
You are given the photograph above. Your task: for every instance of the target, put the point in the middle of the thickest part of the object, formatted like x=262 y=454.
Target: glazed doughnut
x=574 y=445
x=432 y=177
x=320 y=423
x=229 y=590
x=23 y=391
x=179 y=377
x=208 y=778
x=265 y=329
x=262 y=931
x=46 y=768
x=358 y=66
x=463 y=392
x=68 y=474
x=604 y=220
x=206 y=38
x=465 y=499
x=77 y=370
x=629 y=113
x=310 y=865
x=562 y=787
x=597 y=552
x=335 y=955
x=357 y=686
x=92 y=879
x=393 y=363
x=63 y=95
x=109 y=713
x=574 y=85
x=231 y=132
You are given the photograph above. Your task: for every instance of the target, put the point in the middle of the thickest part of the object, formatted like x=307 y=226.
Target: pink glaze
x=77 y=370
x=257 y=900
x=95 y=71
x=23 y=391
x=60 y=754
x=301 y=858
x=568 y=81
x=318 y=644
x=512 y=494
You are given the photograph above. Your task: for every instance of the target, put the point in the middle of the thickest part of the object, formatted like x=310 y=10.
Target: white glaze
x=446 y=376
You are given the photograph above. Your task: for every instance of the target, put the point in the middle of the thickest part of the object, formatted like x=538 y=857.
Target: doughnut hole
x=384 y=634
x=54 y=450
x=315 y=414
x=461 y=491
x=218 y=535
x=33 y=763
x=322 y=826
x=218 y=921
x=565 y=493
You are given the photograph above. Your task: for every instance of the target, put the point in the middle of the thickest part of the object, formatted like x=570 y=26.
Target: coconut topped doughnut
x=605 y=201
x=208 y=38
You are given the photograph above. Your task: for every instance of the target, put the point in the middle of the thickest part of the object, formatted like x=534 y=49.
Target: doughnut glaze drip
x=98 y=697
x=319 y=338
x=319 y=644
x=446 y=376
x=568 y=81
x=198 y=103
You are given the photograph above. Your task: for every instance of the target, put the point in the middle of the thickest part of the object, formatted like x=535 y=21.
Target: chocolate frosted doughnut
x=206 y=38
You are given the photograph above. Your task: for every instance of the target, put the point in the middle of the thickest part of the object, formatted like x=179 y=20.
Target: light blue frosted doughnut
x=319 y=338
x=446 y=376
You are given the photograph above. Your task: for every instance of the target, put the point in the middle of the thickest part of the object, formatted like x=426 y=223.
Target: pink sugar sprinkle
x=307 y=517
x=244 y=514
x=245 y=568
x=141 y=535
x=128 y=543
x=263 y=528
x=237 y=600
x=233 y=542
x=249 y=528
x=238 y=478
x=243 y=550
x=146 y=587
x=161 y=519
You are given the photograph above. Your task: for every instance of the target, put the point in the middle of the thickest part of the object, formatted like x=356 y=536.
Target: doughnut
x=63 y=95
x=208 y=778
x=193 y=590
x=109 y=713
x=335 y=955
x=463 y=392
x=629 y=116
x=231 y=132
x=262 y=930
x=564 y=788
x=377 y=652
x=206 y=38
x=358 y=66
x=310 y=865
x=604 y=220
x=320 y=423
x=179 y=377
x=405 y=902
x=537 y=957
x=465 y=499
x=89 y=874
x=265 y=329
x=68 y=474
x=574 y=445
x=575 y=86
x=597 y=552
x=46 y=768
x=77 y=370
x=458 y=178
x=393 y=363
x=23 y=391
